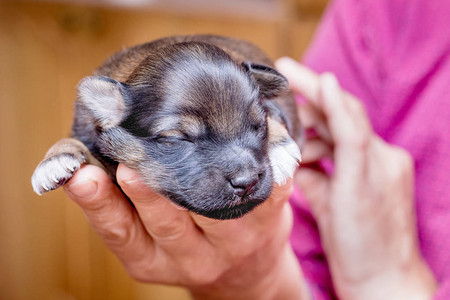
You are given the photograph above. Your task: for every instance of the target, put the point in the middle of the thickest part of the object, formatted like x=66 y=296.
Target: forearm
x=284 y=280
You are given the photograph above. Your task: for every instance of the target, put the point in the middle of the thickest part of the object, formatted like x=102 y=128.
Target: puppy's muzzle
x=245 y=172
x=244 y=183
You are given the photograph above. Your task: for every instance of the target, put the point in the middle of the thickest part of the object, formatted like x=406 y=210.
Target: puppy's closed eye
x=258 y=126
x=175 y=134
x=172 y=138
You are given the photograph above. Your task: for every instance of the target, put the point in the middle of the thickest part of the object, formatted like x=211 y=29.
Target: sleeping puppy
x=206 y=120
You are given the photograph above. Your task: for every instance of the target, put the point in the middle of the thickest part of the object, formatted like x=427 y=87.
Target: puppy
x=206 y=120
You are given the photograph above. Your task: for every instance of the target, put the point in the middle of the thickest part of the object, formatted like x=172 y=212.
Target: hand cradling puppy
x=206 y=120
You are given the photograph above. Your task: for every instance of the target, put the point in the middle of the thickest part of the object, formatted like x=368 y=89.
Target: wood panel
x=47 y=251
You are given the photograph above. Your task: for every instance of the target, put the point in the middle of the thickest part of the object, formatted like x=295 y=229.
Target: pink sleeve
x=342 y=46
x=306 y=244
x=444 y=291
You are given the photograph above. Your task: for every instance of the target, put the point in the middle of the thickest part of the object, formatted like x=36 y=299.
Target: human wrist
x=412 y=282
x=282 y=279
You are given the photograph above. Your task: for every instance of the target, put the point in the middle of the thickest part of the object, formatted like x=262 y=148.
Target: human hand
x=158 y=242
x=365 y=207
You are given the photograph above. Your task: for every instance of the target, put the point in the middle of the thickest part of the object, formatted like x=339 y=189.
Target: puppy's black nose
x=243 y=184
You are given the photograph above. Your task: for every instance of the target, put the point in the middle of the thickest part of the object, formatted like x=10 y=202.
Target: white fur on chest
x=284 y=159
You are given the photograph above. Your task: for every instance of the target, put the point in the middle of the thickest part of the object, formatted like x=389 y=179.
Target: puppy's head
x=193 y=123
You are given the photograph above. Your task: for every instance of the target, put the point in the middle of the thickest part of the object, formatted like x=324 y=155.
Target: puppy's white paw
x=55 y=171
x=284 y=159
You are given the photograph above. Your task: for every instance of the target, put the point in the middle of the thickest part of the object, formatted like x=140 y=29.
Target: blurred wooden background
x=47 y=251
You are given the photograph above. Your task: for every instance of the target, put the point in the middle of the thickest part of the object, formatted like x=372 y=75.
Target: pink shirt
x=395 y=56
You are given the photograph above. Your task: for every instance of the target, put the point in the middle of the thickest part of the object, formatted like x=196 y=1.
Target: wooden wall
x=47 y=251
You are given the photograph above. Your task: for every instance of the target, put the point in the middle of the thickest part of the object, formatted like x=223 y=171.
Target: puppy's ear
x=104 y=99
x=271 y=83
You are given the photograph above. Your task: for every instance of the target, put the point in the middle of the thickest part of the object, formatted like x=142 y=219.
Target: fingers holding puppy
x=110 y=214
x=150 y=236
x=161 y=243
x=162 y=219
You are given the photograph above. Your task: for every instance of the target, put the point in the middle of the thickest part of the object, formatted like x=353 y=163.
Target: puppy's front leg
x=60 y=163
x=284 y=152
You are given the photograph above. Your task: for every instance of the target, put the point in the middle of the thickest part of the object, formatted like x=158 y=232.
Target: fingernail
x=83 y=189
x=127 y=175
x=133 y=180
